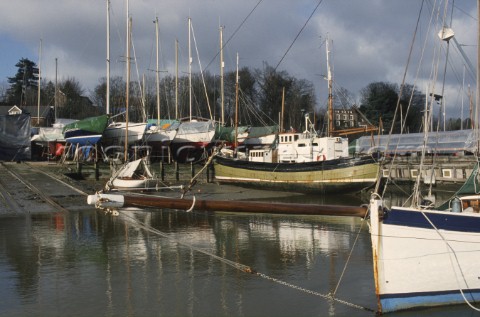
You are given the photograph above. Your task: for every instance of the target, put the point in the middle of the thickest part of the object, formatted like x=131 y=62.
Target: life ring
x=320 y=157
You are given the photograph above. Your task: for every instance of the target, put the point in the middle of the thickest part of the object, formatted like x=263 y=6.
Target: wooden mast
x=39 y=81
x=176 y=79
x=222 y=66
x=107 y=101
x=129 y=25
x=157 y=81
x=236 y=108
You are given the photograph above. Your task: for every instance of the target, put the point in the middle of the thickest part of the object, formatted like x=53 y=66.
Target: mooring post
x=177 y=173
x=95 y=165
x=192 y=169
x=162 y=170
x=79 y=168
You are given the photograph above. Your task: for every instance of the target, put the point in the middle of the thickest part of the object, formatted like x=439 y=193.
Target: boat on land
x=134 y=174
x=193 y=141
x=87 y=131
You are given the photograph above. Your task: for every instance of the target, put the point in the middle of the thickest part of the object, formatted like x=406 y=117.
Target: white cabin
x=305 y=147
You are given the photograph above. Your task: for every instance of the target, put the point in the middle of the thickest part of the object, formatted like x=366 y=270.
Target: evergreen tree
x=23 y=86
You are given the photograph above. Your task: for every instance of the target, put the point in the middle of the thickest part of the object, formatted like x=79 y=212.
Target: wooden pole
x=245 y=206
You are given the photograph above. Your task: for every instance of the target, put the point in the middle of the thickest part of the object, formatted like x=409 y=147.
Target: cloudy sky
x=371 y=39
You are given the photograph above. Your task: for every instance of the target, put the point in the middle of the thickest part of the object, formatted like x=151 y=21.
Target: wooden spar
x=226 y=205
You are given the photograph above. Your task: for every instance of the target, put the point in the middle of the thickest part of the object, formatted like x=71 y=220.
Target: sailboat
x=194 y=139
x=159 y=134
x=117 y=133
x=87 y=131
x=299 y=161
x=135 y=174
x=425 y=256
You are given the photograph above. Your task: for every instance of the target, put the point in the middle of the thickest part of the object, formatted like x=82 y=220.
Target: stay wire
x=235 y=32
x=298 y=34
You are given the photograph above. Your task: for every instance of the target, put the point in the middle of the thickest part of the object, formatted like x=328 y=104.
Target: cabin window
x=447 y=173
x=296 y=137
x=302 y=145
x=413 y=173
x=314 y=144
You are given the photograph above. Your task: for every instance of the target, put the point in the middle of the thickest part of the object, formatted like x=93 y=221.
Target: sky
x=370 y=40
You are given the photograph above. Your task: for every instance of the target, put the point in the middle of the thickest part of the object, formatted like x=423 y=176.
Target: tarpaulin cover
x=445 y=142
x=15 y=138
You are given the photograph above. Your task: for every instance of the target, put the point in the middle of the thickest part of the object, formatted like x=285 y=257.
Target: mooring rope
x=245 y=268
x=351 y=252
x=456 y=260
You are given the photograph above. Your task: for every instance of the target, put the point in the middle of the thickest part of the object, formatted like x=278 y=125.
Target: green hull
x=329 y=176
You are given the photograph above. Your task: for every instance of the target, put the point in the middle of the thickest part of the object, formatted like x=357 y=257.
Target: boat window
x=302 y=145
x=314 y=144
x=296 y=137
x=474 y=204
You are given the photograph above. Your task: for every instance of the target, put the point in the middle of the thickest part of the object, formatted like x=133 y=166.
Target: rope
x=243 y=267
x=193 y=181
x=456 y=260
x=351 y=251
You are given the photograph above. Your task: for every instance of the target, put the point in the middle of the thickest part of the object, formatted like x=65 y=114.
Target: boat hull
x=85 y=132
x=114 y=134
x=417 y=265
x=325 y=176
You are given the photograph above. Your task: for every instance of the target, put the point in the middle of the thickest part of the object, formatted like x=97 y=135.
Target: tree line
x=261 y=94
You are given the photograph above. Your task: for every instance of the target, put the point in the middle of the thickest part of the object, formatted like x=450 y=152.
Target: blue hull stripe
x=395 y=302
x=452 y=221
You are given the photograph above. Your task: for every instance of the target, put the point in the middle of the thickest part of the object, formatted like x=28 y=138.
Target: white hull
x=130 y=183
x=160 y=136
x=114 y=134
x=418 y=266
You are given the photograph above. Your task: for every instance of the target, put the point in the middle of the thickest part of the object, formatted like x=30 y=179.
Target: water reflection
x=165 y=262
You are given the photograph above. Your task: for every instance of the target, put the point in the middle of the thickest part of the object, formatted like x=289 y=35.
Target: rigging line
x=235 y=32
x=296 y=37
x=201 y=72
x=451 y=262
x=377 y=186
x=364 y=220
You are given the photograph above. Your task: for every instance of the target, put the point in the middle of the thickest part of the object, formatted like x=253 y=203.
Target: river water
x=175 y=263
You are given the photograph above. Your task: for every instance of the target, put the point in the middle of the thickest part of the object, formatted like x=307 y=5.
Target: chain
x=328 y=296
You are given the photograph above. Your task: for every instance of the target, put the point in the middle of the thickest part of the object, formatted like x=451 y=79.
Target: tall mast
x=176 y=79
x=56 y=88
x=157 y=81
x=330 y=94
x=107 y=97
x=39 y=81
x=236 y=107
x=189 y=69
x=478 y=74
x=127 y=96
x=222 y=66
